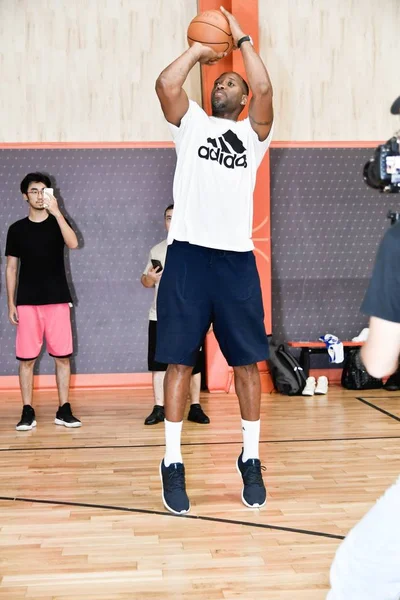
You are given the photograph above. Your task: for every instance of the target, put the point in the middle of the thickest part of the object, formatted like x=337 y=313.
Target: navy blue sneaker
x=173 y=488
x=254 y=494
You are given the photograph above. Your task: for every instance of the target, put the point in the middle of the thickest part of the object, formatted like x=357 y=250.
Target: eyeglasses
x=35 y=192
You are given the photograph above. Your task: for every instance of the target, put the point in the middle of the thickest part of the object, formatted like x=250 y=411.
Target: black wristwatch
x=245 y=38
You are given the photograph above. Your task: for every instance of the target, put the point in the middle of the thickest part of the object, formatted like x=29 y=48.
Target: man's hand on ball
x=208 y=56
x=236 y=30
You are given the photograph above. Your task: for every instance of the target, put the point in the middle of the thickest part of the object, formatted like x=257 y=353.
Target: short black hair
x=170 y=207
x=245 y=84
x=34 y=178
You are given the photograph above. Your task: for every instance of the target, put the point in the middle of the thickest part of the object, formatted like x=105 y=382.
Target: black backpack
x=355 y=376
x=287 y=374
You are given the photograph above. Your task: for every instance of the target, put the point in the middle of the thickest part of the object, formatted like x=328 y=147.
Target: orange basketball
x=211 y=28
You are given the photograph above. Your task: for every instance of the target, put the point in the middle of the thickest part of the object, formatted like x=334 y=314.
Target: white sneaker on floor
x=309 y=388
x=322 y=385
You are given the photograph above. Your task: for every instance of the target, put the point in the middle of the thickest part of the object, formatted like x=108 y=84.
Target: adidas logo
x=227 y=150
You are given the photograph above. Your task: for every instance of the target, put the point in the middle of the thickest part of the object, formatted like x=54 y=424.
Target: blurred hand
x=154 y=274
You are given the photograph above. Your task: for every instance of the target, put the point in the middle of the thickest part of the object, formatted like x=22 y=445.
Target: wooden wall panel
x=334 y=66
x=84 y=70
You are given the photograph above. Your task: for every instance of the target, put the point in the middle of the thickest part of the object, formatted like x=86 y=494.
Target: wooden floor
x=81 y=516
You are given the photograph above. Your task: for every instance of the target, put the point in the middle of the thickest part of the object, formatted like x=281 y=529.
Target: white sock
x=172 y=442
x=251 y=438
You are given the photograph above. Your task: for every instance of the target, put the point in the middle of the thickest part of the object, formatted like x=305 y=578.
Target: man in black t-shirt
x=367 y=563
x=41 y=306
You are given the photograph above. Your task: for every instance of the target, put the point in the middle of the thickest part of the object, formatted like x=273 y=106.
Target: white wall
x=335 y=66
x=84 y=70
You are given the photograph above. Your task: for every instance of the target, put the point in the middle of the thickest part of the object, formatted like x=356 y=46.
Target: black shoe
x=174 y=494
x=157 y=415
x=254 y=494
x=393 y=383
x=27 y=419
x=65 y=417
x=197 y=415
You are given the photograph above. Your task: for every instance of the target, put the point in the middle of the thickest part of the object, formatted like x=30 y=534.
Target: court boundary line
x=382 y=410
x=168 y=514
x=189 y=444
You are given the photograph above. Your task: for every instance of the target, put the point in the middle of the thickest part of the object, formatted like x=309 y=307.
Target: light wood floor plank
x=328 y=459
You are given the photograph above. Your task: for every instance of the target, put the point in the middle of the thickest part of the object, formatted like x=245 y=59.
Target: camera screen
x=393 y=165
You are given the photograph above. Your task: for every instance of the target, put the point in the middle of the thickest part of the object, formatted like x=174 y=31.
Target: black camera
x=382 y=172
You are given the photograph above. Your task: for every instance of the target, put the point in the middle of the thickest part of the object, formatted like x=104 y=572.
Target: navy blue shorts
x=200 y=286
x=153 y=365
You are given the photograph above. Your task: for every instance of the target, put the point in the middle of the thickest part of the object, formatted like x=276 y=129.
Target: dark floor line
x=167 y=514
x=299 y=441
x=383 y=397
x=382 y=410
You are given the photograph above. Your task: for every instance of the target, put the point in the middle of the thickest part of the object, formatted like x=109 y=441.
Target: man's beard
x=218 y=105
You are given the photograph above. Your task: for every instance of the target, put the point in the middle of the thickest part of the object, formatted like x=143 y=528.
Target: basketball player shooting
x=210 y=274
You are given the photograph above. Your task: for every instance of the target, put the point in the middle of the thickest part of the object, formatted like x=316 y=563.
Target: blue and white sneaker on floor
x=174 y=494
x=254 y=494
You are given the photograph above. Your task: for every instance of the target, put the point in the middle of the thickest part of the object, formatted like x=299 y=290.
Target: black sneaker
x=197 y=415
x=157 y=415
x=27 y=419
x=254 y=494
x=65 y=417
x=173 y=488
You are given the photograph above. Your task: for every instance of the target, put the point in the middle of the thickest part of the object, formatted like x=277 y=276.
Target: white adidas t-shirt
x=214 y=180
x=158 y=252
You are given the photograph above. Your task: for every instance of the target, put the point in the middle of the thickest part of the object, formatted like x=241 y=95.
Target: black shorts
x=153 y=365
x=201 y=286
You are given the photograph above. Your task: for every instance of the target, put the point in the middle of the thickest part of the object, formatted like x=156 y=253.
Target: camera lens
x=371 y=175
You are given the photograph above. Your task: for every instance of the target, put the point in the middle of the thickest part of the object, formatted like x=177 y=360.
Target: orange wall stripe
x=77 y=145
x=84 y=381
x=246 y=11
x=325 y=144
x=210 y=73
x=167 y=144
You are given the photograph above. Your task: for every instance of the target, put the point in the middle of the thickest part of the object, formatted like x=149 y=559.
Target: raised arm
x=381 y=351
x=172 y=96
x=69 y=235
x=261 y=112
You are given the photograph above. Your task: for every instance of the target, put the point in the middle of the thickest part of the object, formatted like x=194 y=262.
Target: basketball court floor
x=81 y=516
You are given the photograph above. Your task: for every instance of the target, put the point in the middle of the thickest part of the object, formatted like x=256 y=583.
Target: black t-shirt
x=40 y=249
x=383 y=295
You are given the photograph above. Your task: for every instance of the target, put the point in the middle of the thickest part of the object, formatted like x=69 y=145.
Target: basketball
x=211 y=28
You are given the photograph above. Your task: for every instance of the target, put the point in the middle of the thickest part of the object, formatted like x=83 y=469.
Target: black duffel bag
x=355 y=376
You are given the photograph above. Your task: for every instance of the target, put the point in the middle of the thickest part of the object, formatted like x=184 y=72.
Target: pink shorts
x=53 y=321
